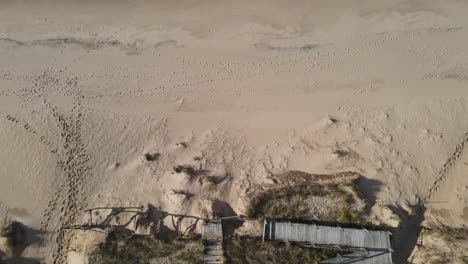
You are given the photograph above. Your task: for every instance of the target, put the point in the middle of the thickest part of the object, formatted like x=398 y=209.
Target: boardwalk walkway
x=367 y=246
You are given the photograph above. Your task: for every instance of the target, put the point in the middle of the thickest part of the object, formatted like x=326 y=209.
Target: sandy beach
x=237 y=90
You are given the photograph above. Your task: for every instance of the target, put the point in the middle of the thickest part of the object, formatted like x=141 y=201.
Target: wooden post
x=264 y=226
x=203 y=230
x=158 y=225
x=178 y=227
x=90 y=219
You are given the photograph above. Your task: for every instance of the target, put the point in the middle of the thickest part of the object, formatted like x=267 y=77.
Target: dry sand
x=87 y=88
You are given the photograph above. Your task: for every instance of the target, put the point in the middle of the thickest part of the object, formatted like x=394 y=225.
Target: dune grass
x=189 y=170
x=253 y=250
x=126 y=249
x=297 y=203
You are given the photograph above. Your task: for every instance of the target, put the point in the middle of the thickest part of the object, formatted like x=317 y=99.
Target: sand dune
x=238 y=91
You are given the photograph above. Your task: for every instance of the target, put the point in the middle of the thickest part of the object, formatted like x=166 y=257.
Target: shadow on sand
x=140 y=221
x=20 y=237
x=406 y=235
x=369 y=188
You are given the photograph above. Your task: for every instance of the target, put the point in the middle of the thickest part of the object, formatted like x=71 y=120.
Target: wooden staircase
x=213 y=251
x=213 y=241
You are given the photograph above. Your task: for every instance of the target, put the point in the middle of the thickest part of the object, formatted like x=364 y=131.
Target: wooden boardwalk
x=368 y=246
x=212 y=235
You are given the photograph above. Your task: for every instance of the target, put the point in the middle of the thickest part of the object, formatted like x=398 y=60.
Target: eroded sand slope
x=87 y=88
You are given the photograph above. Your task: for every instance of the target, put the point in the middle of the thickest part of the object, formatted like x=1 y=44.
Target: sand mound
x=87 y=88
x=441 y=245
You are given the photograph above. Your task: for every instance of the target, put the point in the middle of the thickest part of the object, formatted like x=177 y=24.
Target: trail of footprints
x=32 y=131
x=69 y=198
x=448 y=164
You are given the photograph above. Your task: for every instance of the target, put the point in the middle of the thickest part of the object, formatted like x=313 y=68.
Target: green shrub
x=185 y=169
x=188 y=170
x=177 y=169
x=340 y=152
x=148 y=157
